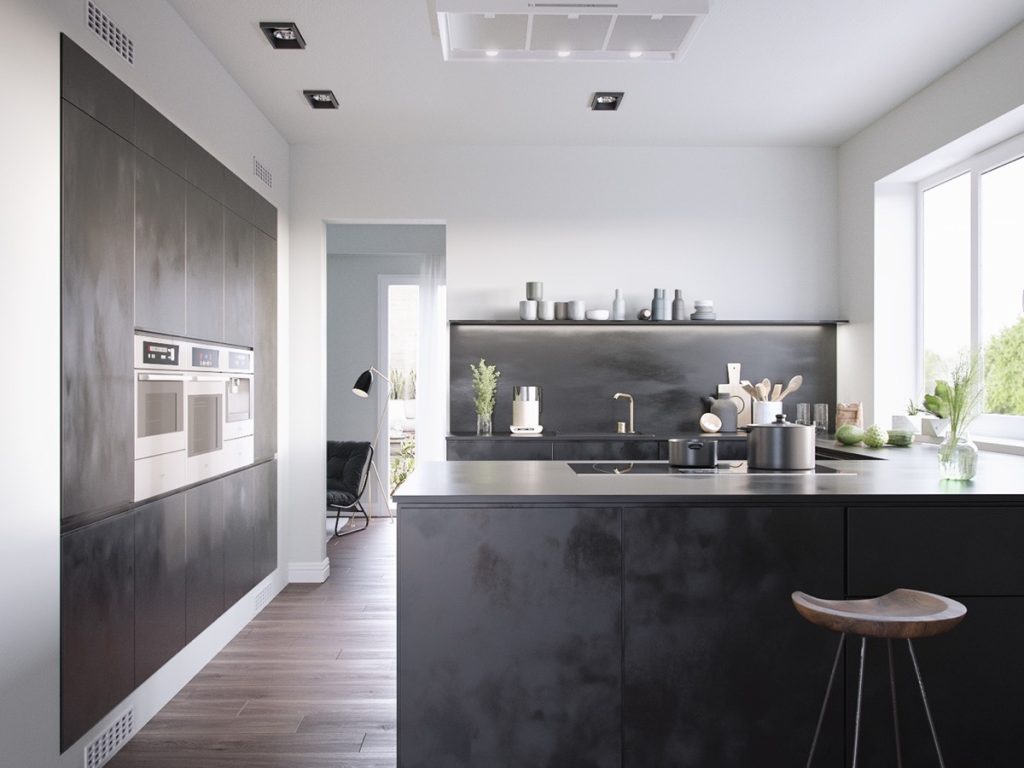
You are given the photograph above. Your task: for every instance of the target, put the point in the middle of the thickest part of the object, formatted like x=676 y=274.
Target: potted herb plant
x=485 y=386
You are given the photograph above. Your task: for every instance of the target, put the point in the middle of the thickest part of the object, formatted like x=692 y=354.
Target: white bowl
x=598 y=314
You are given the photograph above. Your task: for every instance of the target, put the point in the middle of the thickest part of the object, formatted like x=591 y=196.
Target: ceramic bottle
x=658 y=309
x=618 y=306
x=678 y=306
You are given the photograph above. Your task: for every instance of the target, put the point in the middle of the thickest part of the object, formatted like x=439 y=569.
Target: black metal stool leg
x=824 y=704
x=860 y=696
x=895 y=713
x=924 y=698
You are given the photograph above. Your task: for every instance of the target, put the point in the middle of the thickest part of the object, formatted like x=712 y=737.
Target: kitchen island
x=552 y=618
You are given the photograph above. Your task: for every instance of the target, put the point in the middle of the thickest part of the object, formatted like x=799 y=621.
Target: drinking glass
x=803 y=414
x=821 y=419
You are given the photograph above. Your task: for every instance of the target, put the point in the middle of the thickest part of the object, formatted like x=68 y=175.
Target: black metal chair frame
x=356 y=505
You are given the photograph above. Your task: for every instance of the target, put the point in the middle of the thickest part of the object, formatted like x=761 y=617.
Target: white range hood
x=519 y=30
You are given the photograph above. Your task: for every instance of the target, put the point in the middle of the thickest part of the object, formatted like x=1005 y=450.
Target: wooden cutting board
x=736 y=391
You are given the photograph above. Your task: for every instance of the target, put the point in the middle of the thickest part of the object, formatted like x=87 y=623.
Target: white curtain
x=432 y=376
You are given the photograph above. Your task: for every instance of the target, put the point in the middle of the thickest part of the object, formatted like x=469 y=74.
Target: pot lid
x=780 y=421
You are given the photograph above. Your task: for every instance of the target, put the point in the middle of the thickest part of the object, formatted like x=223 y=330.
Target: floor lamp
x=362 y=389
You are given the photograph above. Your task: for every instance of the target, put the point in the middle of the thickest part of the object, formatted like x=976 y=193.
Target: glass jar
x=484 y=424
x=958 y=458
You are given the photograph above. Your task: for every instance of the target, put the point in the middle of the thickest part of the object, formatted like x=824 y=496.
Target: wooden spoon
x=749 y=389
x=777 y=392
x=794 y=384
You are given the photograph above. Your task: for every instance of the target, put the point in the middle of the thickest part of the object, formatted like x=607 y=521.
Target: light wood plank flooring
x=310 y=682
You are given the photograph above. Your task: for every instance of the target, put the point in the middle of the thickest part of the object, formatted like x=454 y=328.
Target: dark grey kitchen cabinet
x=718 y=667
x=204 y=171
x=497 y=449
x=265 y=327
x=522 y=657
x=160 y=583
x=265 y=505
x=239 y=536
x=264 y=216
x=239 y=196
x=204 y=257
x=605 y=450
x=160 y=197
x=158 y=137
x=96 y=638
x=204 y=595
x=97 y=234
x=95 y=90
x=239 y=241
x=972 y=673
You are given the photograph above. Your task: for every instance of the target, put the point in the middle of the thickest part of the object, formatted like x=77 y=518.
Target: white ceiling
x=759 y=72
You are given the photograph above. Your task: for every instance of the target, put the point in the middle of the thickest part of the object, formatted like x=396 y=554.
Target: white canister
x=527 y=309
x=545 y=310
x=577 y=310
x=765 y=411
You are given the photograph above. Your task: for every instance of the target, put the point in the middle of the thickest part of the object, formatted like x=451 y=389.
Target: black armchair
x=348 y=470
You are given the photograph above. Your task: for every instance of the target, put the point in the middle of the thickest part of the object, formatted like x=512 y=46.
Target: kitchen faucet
x=624 y=396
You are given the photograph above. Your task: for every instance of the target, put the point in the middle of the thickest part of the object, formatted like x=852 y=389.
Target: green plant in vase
x=485 y=387
x=959 y=400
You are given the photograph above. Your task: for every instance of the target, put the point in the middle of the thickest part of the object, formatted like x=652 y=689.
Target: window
x=971 y=280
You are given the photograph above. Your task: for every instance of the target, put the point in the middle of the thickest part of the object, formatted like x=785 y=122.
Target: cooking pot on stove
x=780 y=445
x=692 y=453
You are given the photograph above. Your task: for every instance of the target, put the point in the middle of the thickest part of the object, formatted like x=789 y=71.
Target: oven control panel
x=205 y=357
x=239 y=361
x=160 y=353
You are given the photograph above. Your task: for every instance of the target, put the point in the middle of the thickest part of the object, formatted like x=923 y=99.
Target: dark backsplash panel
x=667 y=368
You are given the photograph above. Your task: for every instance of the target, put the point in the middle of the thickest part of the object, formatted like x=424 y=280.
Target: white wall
x=876 y=351
x=752 y=228
x=182 y=79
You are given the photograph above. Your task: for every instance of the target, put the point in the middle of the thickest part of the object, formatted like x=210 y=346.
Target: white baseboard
x=309 y=573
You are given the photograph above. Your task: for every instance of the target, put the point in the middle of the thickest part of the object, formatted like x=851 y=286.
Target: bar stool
x=903 y=614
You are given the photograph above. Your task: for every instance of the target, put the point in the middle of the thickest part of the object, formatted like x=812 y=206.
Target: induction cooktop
x=663 y=468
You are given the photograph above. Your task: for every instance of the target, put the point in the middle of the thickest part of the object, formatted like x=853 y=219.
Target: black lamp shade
x=362 y=385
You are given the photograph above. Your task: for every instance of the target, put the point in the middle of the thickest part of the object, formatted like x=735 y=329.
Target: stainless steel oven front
x=160 y=441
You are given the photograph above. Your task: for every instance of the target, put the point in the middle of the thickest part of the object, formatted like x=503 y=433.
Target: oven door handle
x=210 y=378
x=161 y=377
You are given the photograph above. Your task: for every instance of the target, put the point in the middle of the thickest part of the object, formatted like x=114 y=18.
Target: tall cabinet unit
x=157 y=237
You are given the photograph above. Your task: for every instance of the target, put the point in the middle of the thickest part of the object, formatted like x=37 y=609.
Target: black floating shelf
x=648 y=323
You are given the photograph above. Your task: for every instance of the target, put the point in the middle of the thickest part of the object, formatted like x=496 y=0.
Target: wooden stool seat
x=904 y=614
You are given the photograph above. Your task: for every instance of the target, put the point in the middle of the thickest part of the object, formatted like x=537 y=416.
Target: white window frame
x=989 y=425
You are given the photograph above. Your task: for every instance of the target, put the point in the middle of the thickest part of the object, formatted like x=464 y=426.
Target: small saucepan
x=696 y=453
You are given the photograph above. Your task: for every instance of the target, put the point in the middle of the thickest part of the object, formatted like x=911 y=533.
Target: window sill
x=993 y=444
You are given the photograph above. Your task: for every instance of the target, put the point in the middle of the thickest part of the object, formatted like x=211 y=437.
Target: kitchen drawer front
x=605 y=450
x=952 y=551
x=519 y=449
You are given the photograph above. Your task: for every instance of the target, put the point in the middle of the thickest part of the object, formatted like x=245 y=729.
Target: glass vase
x=484 y=424
x=958 y=458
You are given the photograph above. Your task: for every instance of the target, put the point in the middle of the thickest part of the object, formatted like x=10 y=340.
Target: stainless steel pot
x=780 y=445
x=692 y=453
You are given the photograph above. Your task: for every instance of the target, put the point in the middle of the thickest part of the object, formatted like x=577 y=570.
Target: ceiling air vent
x=262 y=172
x=519 y=30
x=107 y=31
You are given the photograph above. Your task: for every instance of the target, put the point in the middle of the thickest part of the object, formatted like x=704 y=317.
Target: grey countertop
x=902 y=473
x=610 y=436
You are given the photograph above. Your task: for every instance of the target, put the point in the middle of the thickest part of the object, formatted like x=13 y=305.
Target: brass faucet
x=623 y=396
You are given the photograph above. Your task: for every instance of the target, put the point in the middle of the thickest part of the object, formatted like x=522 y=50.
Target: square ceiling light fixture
x=321 y=99
x=283 y=34
x=521 y=30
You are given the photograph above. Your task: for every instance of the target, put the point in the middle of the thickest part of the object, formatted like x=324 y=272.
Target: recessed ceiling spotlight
x=492 y=53
x=635 y=54
x=323 y=99
x=283 y=34
x=564 y=54
x=606 y=101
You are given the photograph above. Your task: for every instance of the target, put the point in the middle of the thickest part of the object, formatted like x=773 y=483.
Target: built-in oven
x=160 y=441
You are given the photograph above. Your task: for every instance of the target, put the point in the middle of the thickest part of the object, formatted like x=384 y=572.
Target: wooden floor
x=310 y=682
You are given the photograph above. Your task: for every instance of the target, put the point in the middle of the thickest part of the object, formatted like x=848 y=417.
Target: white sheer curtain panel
x=432 y=378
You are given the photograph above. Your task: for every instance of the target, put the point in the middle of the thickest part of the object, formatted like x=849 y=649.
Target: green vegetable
x=849 y=434
x=875 y=436
x=900 y=437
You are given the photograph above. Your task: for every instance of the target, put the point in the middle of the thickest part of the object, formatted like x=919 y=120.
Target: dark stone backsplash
x=667 y=369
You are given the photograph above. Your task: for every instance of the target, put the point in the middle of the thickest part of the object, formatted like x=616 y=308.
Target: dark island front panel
x=509 y=642
x=719 y=669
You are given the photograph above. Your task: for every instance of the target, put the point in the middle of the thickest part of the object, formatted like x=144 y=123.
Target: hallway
x=310 y=682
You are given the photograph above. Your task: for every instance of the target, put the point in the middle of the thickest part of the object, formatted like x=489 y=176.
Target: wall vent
x=263 y=598
x=262 y=172
x=107 y=31
x=106 y=744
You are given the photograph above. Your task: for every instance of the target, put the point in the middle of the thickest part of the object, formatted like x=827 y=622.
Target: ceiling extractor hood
x=519 y=30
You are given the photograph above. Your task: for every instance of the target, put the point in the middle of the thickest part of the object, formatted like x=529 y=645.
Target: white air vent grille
x=106 y=744
x=262 y=172
x=107 y=31
x=263 y=598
